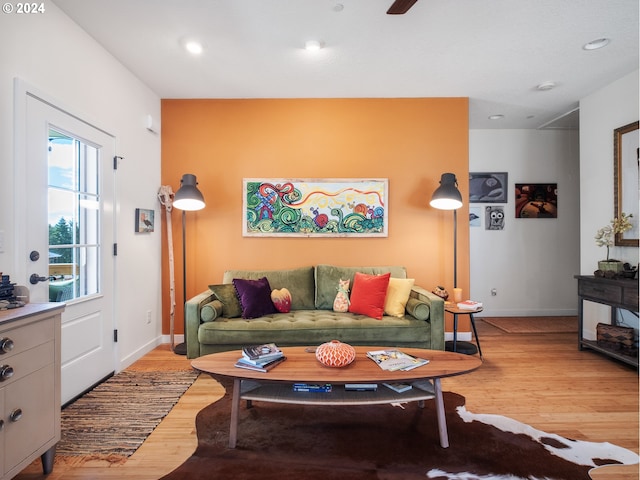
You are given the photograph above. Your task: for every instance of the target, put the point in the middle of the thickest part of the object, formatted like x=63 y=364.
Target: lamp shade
x=188 y=197
x=447 y=196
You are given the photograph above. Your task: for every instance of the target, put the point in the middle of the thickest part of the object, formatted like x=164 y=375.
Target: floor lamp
x=187 y=198
x=448 y=197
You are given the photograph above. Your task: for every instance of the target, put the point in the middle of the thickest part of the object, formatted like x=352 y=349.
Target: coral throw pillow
x=255 y=297
x=397 y=296
x=368 y=294
x=281 y=300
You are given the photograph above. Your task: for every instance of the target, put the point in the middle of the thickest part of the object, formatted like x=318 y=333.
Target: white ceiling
x=493 y=51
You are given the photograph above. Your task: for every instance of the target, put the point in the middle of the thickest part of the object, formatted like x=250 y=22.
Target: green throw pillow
x=418 y=309
x=226 y=293
x=211 y=311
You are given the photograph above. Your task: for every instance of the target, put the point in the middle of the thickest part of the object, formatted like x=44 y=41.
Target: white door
x=69 y=235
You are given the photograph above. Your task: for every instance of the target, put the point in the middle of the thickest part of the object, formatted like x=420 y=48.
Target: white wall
x=531 y=263
x=51 y=53
x=611 y=107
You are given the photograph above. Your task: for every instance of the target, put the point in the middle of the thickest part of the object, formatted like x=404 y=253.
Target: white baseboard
x=487 y=312
x=462 y=336
x=176 y=338
x=139 y=353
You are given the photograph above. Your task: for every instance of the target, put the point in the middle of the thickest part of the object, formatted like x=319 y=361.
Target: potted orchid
x=605 y=238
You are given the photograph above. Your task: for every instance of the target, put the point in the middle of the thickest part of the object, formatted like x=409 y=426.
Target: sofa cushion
x=299 y=281
x=231 y=307
x=368 y=294
x=254 y=296
x=397 y=296
x=328 y=276
x=313 y=327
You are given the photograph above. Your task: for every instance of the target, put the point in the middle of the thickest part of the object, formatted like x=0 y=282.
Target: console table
x=29 y=386
x=617 y=293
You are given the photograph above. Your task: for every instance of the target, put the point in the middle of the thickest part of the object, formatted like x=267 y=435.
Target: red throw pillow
x=368 y=294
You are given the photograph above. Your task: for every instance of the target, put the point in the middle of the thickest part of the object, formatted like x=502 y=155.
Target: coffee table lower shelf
x=282 y=392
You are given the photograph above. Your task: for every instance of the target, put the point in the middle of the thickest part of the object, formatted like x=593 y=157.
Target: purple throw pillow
x=255 y=297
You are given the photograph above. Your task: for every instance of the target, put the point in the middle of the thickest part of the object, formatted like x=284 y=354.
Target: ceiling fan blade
x=400 y=7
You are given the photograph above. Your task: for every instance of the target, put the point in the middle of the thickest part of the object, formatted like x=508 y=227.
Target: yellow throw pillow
x=397 y=296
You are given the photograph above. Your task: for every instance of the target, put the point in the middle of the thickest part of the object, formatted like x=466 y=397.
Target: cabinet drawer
x=26 y=363
x=600 y=291
x=34 y=397
x=630 y=298
x=26 y=337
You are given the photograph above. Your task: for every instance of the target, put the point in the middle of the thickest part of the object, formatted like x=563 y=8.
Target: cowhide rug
x=297 y=442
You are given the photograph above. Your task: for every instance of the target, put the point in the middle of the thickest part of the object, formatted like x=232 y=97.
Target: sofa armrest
x=436 y=315
x=193 y=306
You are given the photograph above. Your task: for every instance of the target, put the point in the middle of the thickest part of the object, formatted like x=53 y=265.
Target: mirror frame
x=623 y=200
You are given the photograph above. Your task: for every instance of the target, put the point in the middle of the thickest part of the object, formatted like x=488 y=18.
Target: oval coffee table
x=301 y=366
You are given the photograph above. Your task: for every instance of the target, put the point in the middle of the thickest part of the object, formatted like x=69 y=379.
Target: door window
x=73 y=216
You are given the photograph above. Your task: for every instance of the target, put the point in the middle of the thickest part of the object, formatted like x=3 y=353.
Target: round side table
x=462 y=347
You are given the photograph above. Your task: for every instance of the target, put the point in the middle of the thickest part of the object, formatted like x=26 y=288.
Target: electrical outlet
x=494 y=292
x=148 y=317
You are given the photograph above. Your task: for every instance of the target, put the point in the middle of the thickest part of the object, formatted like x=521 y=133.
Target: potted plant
x=605 y=237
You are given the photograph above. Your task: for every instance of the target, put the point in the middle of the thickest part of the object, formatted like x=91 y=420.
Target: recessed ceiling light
x=312 y=45
x=546 y=86
x=496 y=117
x=596 y=44
x=194 y=47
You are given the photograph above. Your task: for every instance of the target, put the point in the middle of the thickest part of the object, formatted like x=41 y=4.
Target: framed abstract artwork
x=488 y=187
x=315 y=207
x=536 y=200
x=144 y=220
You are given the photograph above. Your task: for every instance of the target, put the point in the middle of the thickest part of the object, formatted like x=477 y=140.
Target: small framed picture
x=144 y=220
x=536 y=200
x=488 y=187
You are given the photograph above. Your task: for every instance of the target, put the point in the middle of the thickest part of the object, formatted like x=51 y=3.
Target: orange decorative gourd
x=335 y=354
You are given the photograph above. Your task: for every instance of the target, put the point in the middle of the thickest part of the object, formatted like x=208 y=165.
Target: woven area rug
x=111 y=421
x=383 y=442
x=534 y=324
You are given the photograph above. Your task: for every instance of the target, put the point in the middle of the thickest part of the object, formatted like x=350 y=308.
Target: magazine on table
x=261 y=351
x=469 y=305
x=393 y=360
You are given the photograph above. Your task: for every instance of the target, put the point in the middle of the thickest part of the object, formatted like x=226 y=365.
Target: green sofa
x=214 y=324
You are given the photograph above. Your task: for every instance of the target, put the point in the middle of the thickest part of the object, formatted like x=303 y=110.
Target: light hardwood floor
x=542 y=380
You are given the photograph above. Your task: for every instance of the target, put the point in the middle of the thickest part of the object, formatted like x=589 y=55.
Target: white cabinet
x=29 y=386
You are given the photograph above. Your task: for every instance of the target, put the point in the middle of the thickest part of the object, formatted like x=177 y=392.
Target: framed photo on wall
x=536 y=200
x=280 y=207
x=488 y=187
x=144 y=220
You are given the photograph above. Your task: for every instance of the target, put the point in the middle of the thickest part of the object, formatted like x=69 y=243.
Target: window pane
x=62 y=160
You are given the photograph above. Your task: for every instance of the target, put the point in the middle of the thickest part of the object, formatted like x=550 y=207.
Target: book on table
x=398 y=387
x=392 y=360
x=259 y=366
x=469 y=305
x=312 y=387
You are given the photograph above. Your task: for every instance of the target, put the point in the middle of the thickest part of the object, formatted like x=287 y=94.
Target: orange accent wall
x=409 y=141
